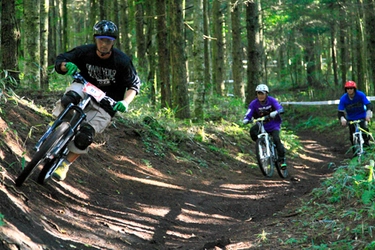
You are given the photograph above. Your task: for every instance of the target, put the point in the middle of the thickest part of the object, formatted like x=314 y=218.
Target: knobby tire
x=40 y=156
x=357 y=144
x=265 y=161
x=65 y=129
x=283 y=173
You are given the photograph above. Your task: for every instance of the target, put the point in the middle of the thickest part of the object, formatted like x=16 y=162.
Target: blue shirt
x=355 y=108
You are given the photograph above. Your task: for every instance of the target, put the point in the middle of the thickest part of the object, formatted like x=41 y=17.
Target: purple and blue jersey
x=257 y=109
x=355 y=108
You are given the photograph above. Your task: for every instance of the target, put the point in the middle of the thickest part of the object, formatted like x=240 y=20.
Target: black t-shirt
x=114 y=75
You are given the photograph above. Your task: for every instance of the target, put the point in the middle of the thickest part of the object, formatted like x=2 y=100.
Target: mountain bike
x=266 y=152
x=357 y=139
x=52 y=147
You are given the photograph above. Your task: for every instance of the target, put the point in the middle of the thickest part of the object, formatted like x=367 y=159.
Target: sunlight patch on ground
x=147 y=181
x=239 y=187
x=191 y=216
x=142 y=168
x=16 y=201
x=181 y=235
x=154 y=210
x=71 y=237
x=10 y=233
x=308 y=158
x=73 y=190
x=239 y=246
x=12 y=143
x=129 y=227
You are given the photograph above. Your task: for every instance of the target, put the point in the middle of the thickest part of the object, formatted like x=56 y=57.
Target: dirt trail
x=121 y=197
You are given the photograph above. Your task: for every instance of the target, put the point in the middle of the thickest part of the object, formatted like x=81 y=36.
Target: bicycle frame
x=263 y=133
x=267 y=155
x=265 y=150
x=78 y=108
x=357 y=138
x=52 y=147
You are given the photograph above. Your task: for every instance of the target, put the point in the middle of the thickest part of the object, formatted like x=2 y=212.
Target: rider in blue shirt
x=357 y=107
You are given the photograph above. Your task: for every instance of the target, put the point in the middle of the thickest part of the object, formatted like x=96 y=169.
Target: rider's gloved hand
x=273 y=114
x=245 y=121
x=368 y=115
x=71 y=68
x=121 y=106
x=343 y=121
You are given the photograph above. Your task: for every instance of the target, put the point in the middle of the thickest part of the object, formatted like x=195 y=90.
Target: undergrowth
x=339 y=215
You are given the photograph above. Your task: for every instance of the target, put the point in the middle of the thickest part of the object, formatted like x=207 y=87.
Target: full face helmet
x=262 y=88
x=350 y=84
x=105 y=29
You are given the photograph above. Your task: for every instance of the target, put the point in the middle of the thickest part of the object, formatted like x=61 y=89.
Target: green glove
x=121 y=106
x=71 y=67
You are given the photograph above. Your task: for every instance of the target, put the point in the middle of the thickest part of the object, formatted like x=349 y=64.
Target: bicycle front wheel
x=356 y=144
x=264 y=158
x=46 y=173
x=40 y=157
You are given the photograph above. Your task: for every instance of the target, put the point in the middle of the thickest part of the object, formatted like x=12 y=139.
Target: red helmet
x=350 y=84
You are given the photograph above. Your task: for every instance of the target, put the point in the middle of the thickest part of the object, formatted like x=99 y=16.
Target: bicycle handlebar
x=78 y=76
x=356 y=121
x=261 y=118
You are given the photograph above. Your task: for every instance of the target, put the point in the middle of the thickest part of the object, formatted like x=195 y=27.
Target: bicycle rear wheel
x=283 y=173
x=264 y=159
x=40 y=157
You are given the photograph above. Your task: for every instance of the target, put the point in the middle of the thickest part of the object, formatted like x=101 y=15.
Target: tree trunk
x=163 y=56
x=32 y=45
x=124 y=40
x=333 y=55
x=207 y=64
x=52 y=33
x=360 y=62
x=343 y=44
x=239 y=89
x=64 y=27
x=217 y=48
x=178 y=69
x=253 y=57
x=370 y=36
x=198 y=47
x=10 y=37
x=140 y=38
x=44 y=6
x=151 y=50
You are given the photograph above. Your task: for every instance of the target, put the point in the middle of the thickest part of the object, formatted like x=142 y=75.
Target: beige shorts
x=97 y=117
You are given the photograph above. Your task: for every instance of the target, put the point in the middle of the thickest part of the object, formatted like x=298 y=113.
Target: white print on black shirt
x=104 y=76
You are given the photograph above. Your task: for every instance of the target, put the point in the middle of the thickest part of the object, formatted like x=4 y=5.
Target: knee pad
x=84 y=137
x=70 y=97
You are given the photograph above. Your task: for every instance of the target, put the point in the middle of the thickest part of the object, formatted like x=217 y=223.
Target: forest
x=189 y=51
x=179 y=170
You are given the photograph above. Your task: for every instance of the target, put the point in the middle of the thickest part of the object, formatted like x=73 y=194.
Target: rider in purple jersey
x=357 y=107
x=266 y=105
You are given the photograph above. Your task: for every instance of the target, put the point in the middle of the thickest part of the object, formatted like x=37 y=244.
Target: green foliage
x=342 y=209
x=1 y=220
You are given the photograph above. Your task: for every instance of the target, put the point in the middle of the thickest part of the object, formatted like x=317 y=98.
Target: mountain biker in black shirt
x=107 y=68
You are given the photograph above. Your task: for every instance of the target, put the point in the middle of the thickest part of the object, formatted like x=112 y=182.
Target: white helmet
x=262 y=88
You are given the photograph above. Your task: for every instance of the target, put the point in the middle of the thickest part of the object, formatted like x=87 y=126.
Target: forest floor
x=121 y=196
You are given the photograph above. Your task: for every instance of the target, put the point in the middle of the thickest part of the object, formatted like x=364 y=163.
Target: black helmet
x=105 y=29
